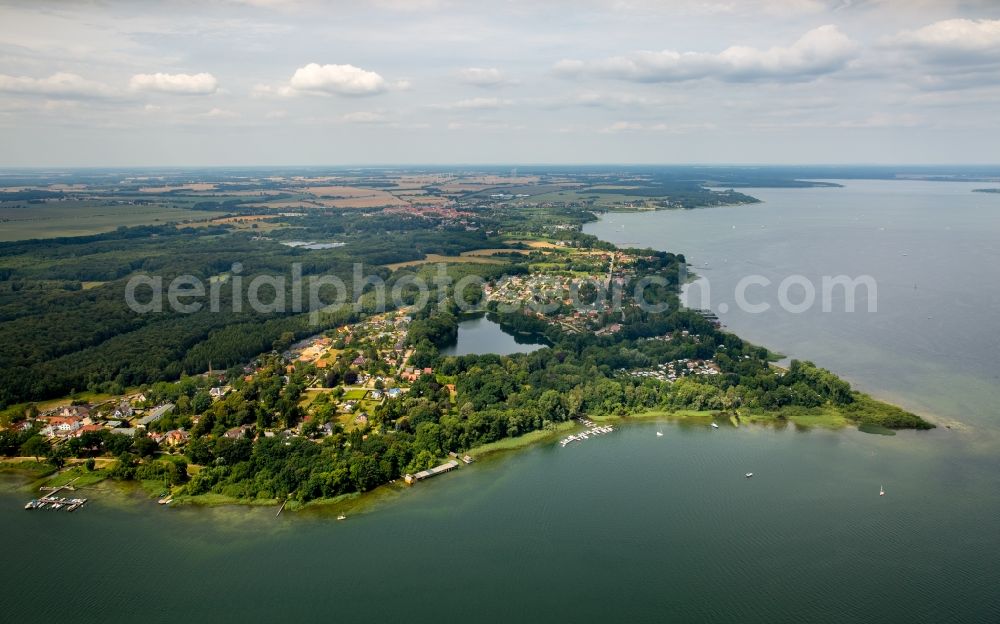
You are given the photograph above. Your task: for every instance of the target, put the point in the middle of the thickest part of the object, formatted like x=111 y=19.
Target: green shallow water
x=626 y=525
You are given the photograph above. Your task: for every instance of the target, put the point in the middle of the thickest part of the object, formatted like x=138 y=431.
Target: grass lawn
x=509 y=444
x=34 y=468
x=685 y=414
x=355 y=394
x=83 y=477
x=828 y=417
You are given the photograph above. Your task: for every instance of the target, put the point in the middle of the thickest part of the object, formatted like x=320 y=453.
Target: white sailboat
x=715 y=426
x=659 y=434
x=881 y=491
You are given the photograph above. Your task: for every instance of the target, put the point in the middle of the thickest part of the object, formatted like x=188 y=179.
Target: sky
x=301 y=82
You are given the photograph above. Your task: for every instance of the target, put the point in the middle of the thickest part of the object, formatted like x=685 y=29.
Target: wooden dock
x=431 y=472
x=52 y=501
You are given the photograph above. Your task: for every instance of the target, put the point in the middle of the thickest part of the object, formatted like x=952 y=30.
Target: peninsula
x=219 y=401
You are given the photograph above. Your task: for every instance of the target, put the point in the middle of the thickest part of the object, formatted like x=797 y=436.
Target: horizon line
x=5 y=168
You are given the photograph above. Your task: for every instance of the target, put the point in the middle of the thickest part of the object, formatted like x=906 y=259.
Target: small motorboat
x=748 y=475
x=659 y=434
x=341 y=517
x=715 y=426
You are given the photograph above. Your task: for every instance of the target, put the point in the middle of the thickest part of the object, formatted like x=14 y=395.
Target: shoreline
x=141 y=494
x=826 y=416
x=879 y=395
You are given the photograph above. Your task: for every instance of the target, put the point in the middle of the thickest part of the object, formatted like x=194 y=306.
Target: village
x=378 y=373
x=672 y=371
x=373 y=355
x=580 y=295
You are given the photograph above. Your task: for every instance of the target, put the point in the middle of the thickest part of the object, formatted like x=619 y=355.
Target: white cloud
x=613 y=100
x=482 y=76
x=623 y=126
x=954 y=41
x=220 y=113
x=263 y=90
x=61 y=84
x=337 y=79
x=485 y=125
x=178 y=84
x=820 y=51
x=479 y=103
x=635 y=126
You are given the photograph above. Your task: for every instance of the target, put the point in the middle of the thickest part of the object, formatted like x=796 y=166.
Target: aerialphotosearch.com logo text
x=795 y=294
x=544 y=294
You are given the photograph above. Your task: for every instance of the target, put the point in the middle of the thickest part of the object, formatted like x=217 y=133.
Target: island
x=215 y=401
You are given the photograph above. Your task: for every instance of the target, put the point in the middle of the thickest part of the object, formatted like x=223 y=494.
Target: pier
x=431 y=472
x=593 y=430
x=52 y=501
x=56 y=503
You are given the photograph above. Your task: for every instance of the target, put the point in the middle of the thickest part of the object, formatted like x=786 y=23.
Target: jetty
x=431 y=472
x=52 y=501
x=593 y=430
x=56 y=503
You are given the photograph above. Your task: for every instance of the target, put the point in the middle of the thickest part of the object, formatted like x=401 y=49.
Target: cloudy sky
x=508 y=81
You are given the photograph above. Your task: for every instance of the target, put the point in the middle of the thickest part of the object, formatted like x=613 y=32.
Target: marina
x=51 y=501
x=593 y=430
x=55 y=503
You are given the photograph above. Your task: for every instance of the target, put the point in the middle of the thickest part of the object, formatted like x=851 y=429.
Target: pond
x=479 y=334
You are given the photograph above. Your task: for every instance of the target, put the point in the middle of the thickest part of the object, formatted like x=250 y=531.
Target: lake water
x=931 y=247
x=480 y=335
x=631 y=526
x=625 y=527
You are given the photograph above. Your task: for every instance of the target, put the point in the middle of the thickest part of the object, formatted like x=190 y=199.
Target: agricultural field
x=23 y=221
x=434 y=258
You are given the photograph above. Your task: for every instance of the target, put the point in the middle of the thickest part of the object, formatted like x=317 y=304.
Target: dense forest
x=59 y=336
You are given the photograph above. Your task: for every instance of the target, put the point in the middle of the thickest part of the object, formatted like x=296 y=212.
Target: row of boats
x=592 y=431
x=55 y=502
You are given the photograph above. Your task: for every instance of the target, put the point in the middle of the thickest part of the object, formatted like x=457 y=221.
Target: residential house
x=85 y=429
x=176 y=437
x=238 y=432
